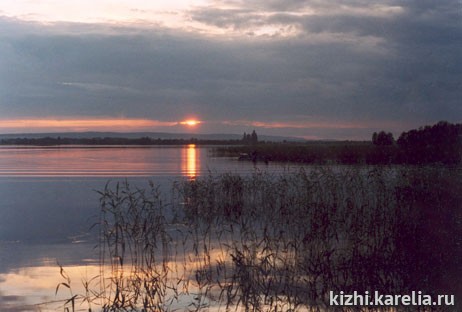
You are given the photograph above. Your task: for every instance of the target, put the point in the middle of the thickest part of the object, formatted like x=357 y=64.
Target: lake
x=48 y=202
x=266 y=233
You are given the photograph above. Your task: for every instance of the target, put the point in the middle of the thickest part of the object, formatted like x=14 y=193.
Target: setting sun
x=190 y=122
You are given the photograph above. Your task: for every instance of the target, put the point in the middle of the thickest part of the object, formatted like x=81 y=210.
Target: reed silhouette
x=281 y=242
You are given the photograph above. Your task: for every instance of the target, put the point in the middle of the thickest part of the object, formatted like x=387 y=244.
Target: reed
x=268 y=242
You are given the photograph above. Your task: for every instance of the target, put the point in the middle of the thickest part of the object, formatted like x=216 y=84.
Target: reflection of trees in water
x=267 y=243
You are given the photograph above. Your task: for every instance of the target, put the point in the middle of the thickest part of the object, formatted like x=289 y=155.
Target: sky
x=316 y=69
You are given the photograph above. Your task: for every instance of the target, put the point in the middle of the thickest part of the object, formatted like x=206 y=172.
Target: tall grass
x=279 y=242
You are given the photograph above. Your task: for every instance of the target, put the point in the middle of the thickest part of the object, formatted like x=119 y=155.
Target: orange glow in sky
x=50 y=124
x=190 y=122
x=53 y=124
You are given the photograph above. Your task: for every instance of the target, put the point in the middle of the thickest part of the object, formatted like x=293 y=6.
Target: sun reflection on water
x=190 y=161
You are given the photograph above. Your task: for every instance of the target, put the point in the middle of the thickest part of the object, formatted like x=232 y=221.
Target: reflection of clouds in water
x=37 y=285
x=9 y=303
x=32 y=288
x=29 y=274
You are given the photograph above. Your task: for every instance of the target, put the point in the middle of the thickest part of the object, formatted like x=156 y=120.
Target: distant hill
x=152 y=135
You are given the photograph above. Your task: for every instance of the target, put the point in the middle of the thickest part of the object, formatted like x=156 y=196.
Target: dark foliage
x=383 y=138
x=430 y=144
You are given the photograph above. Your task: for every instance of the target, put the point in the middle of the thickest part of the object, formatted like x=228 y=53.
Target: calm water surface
x=48 y=203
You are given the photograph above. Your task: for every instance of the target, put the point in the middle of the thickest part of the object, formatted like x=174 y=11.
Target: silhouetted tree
x=438 y=143
x=382 y=138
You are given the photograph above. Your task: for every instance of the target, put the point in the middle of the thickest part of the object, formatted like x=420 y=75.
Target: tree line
x=247 y=139
x=439 y=143
x=145 y=141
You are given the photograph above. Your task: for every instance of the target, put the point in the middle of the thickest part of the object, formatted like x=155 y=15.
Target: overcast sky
x=318 y=69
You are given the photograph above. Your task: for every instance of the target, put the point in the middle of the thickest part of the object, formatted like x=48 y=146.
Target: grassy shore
x=279 y=242
x=310 y=153
x=344 y=152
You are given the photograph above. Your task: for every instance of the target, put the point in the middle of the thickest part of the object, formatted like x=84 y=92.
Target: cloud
x=384 y=62
x=99 y=87
x=308 y=124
